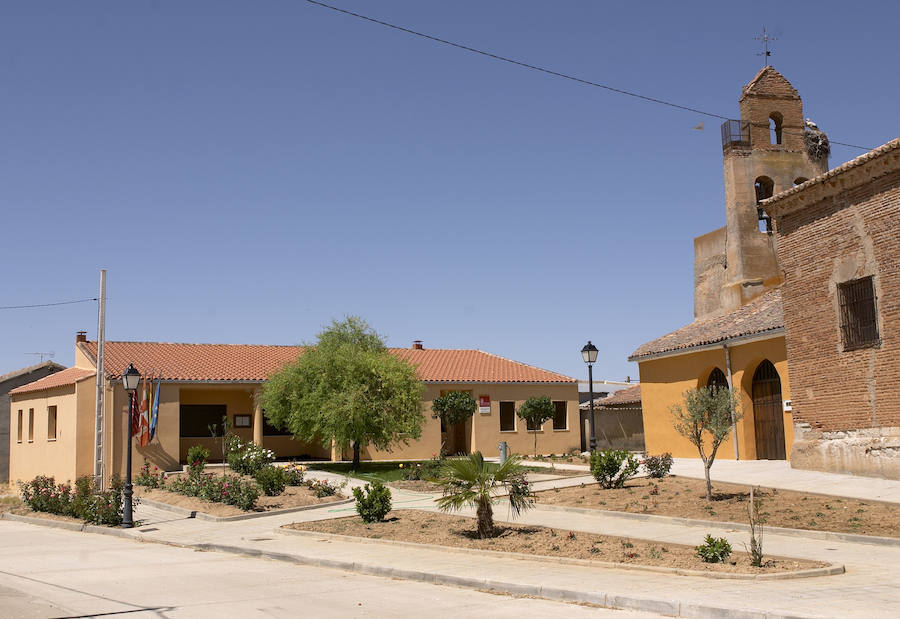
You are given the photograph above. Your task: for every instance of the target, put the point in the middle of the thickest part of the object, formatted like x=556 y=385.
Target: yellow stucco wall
x=664 y=381
x=72 y=454
x=43 y=456
x=483 y=430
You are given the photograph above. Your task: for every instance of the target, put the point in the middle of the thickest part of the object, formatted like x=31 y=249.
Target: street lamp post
x=130 y=379
x=589 y=353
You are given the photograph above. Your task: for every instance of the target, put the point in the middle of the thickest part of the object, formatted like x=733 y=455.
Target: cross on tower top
x=765 y=38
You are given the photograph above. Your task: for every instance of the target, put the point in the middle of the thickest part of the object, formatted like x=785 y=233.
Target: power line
x=526 y=65
x=9 y=307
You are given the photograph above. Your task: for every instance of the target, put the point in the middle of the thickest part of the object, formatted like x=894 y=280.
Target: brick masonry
x=846 y=402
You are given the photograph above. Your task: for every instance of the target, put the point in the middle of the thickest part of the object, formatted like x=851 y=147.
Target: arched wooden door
x=768 y=418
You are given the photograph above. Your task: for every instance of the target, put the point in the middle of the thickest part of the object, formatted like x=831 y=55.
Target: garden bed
x=459 y=532
x=293 y=496
x=418 y=485
x=686 y=498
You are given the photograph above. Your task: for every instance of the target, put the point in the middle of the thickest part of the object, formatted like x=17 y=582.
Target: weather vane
x=765 y=38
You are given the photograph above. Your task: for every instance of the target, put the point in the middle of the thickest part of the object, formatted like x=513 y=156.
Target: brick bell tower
x=765 y=152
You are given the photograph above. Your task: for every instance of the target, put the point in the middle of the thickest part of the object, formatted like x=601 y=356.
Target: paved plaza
x=869 y=588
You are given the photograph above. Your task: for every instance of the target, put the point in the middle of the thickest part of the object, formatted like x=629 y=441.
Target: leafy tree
x=349 y=388
x=472 y=482
x=706 y=410
x=454 y=407
x=535 y=411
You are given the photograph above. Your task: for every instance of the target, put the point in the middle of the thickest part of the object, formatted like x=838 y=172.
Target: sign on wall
x=484 y=404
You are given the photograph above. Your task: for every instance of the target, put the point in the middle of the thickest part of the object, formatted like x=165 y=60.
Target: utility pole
x=100 y=380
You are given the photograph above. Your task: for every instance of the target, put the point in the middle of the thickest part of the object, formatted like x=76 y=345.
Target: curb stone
x=191 y=513
x=47 y=522
x=668 y=607
x=551 y=593
x=828 y=570
x=738 y=526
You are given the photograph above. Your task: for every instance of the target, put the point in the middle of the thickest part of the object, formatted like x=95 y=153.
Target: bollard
x=504 y=451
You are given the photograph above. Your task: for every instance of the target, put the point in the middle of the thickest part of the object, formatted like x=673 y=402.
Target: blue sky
x=249 y=171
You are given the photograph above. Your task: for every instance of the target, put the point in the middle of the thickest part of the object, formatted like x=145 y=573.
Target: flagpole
x=100 y=380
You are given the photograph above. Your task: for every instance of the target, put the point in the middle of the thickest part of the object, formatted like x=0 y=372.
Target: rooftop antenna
x=765 y=38
x=49 y=355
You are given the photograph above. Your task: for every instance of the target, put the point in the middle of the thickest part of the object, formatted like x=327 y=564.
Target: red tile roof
x=249 y=363
x=760 y=316
x=631 y=395
x=62 y=378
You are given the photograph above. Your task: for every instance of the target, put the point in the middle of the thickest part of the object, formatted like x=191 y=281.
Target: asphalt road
x=50 y=573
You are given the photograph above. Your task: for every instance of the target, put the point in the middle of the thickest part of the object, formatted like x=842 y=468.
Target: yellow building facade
x=199 y=383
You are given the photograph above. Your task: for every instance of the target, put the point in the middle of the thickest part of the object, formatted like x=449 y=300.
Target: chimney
x=417 y=345
x=81 y=336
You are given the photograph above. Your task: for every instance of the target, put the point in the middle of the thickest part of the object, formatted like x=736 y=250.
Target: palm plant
x=471 y=482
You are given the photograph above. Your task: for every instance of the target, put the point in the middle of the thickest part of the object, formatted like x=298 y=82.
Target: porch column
x=258 y=425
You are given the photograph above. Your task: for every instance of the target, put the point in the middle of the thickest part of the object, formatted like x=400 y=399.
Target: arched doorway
x=768 y=418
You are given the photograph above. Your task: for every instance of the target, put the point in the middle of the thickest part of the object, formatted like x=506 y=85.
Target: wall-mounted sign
x=484 y=404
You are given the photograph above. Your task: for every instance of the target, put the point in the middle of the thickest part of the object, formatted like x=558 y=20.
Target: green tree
x=349 y=388
x=707 y=410
x=473 y=482
x=535 y=411
x=452 y=408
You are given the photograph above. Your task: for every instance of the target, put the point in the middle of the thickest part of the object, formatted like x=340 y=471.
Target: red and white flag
x=144 y=429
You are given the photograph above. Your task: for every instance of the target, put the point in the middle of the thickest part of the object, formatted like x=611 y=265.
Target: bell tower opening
x=775 y=122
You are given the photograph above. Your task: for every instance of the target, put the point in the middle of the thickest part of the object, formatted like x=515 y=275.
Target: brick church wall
x=847 y=402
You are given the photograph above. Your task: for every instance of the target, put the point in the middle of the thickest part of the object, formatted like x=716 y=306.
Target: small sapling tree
x=707 y=411
x=535 y=411
x=454 y=407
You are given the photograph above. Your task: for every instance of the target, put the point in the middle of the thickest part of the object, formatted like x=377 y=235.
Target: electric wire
x=533 y=67
x=11 y=307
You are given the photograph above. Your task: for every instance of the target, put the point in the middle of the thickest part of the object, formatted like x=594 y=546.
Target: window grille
x=859 y=324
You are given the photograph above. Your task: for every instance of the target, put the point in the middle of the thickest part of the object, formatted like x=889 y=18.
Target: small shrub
x=714 y=549
x=429 y=470
x=248 y=458
x=197 y=457
x=271 y=479
x=104 y=508
x=293 y=474
x=150 y=478
x=42 y=494
x=612 y=468
x=658 y=467
x=373 y=502
x=323 y=488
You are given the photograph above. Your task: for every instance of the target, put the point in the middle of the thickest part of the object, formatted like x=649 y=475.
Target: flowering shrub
x=293 y=474
x=247 y=458
x=520 y=491
x=197 y=457
x=150 y=479
x=658 y=466
x=271 y=479
x=228 y=489
x=323 y=488
x=427 y=471
x=42 y=494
